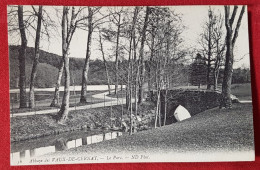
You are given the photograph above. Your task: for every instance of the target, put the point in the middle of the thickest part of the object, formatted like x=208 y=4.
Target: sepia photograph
x=118 y=84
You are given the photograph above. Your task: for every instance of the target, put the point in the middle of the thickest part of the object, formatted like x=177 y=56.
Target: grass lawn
x=242 y=91
x=212 y=130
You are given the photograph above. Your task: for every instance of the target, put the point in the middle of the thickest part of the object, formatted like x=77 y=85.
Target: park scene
x=129 y=84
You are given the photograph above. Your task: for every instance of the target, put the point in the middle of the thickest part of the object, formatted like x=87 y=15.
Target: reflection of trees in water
x=84 y=141
x=32 y=152
x=104 y=136
x=60 y=144
x=22 y=154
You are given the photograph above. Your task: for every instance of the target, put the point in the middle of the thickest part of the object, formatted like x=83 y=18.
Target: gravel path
x=112 y=102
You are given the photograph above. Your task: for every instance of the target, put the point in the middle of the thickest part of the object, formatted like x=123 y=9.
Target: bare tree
x=68 y=28
x=218 y=38
x=117 y=48
x=22 y=55
x=36 y=57
x=130 y=75
x=33 y=20
x=116 y=17
x=208 y=44
x=210 y=25
x=164 y=42
x=91 y=25
x=231 y=36
x=212 y=46
x=56 y=98
x=104 y=61
x=75 y=24
x=141 y=56
x=88 y=53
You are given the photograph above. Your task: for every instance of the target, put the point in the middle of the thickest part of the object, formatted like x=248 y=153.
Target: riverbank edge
x=84 y=124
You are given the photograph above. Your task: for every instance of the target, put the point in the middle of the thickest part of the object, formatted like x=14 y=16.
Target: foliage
x=241 y=75
x=198 y=72
x=48 y=69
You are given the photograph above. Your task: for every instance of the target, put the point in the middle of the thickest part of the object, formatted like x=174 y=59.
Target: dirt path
x=101 y=96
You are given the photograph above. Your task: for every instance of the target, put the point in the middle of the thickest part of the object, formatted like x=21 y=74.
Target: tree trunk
x=209 y=50
x=150 y=61
x=217 y=65
x=130 y=98
x=230 y=42
x=56 y=98
x=105 y=63
x=87 y=60
x=136 y=62
x=165 y=107
x=36 y=59
x=142 y=69
x=64 y=110
x=227 y=79
x=215 y=81
x=117 y=52
x=157 y=108
x=130 y=62
x=22 y=56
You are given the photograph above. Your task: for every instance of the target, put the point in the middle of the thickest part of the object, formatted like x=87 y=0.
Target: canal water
x=26 y=150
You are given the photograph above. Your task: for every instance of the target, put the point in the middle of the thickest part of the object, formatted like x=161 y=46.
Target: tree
x=198 y=71
x=231 y=36
x=141 y=56
x=33 y=20
x=164 y=42
x=212 y=46
x=104 y=61
x=56 y=98
x=218 y=38
x=209 y=50
x=68 y=27
x=130 y=68
x=74 y=23
x=116 y=17
x=22 y=55
x=91 y=25
x=117 y=47
x=36 y=57
x=88 y=53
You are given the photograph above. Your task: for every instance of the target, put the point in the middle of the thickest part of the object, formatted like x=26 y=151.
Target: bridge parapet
x=195 y=101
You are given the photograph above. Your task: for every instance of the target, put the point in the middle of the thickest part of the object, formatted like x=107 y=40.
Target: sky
x=193 y=18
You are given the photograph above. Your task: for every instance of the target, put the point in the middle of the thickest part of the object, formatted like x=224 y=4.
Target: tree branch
x=238 y=25
x=233 y=15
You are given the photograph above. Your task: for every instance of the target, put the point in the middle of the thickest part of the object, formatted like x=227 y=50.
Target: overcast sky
x=193 y=18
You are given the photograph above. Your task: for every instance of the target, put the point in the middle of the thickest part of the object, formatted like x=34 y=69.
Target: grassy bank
x=242 y=91
x=212 y=130
x=36 y=126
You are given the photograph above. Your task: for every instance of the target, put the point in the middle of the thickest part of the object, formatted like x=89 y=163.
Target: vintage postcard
x=91 y=84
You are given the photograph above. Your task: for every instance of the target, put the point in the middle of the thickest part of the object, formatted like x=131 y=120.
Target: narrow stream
x=26 y=150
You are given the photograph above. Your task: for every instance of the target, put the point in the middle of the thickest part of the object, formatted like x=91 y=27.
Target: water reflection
x=59 y=145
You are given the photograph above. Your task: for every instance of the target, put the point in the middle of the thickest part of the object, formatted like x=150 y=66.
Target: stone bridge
x=195 y=101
